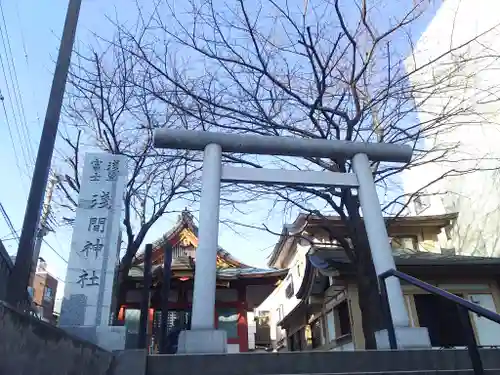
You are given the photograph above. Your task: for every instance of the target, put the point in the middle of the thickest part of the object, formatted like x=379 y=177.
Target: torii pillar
x=203 y=337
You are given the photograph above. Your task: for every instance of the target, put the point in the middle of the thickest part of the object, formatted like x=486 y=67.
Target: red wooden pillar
x=151 y=313
x=242 y=319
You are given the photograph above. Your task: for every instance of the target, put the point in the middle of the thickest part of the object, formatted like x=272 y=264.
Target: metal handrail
x=463 y=306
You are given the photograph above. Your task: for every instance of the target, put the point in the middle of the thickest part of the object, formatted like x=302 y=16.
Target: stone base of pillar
x=406 y=337
x=109 y=338
x=202 y=342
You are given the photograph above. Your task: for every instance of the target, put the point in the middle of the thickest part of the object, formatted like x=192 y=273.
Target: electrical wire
x=24 y=155
x=55 y=251
x=15 y=86
x=57 y=150
x=9 y=222
x=16 y=157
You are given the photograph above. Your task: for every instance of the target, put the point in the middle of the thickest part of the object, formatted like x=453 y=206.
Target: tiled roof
x=408 y=257
x=222 y=273
x=303 y=220
x=249 y=272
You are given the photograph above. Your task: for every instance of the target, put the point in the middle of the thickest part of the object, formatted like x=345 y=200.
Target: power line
x=9 y=88
x=57 y=240
x=28 y=67
x=15 y=86
x=23 y=41
x=16 y=157
x=8 y=221
x=55 y=251
x=26 y=58
x=5 y=239
x=13 y=112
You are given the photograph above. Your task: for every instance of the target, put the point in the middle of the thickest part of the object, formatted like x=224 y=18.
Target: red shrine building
x=240 y=289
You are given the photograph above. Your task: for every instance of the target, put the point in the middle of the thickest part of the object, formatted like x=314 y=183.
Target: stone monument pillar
x=86 y=307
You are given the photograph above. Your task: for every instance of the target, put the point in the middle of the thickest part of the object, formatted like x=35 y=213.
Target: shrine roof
x=249 y=272
x=174 y=236
x=222 y=273
x=186 y=231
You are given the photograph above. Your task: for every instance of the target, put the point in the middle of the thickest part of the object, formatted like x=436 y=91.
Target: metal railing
x=463 y=306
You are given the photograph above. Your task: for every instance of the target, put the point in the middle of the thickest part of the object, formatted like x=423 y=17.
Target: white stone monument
x=86 y=307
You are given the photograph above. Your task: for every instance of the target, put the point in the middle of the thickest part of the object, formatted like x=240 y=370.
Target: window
x=404 y=242
x=289 y=292
x=228 y=321
x=316 y=334
x=330 y=325
x=48 y=294
x=344 y=320
x=338 y=322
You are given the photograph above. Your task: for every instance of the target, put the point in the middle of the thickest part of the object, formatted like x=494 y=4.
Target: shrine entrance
x=176 y=319
x=239 y=289
x=204 y=337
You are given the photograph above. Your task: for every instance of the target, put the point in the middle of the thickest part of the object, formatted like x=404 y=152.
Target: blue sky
x=34 y=28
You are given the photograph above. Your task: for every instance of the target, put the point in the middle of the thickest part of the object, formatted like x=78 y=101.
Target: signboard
x=95 y=243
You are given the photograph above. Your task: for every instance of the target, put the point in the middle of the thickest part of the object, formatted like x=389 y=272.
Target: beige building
x=319 y=310
x=44 y=292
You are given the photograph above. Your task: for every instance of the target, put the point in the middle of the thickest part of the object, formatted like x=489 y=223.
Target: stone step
x=434 y=372
x=417 y=372
x=323 y=363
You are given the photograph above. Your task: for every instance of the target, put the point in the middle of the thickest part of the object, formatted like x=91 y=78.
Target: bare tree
x=319 y=70
x=104 y=112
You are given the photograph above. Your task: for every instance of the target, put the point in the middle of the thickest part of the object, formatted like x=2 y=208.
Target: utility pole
x=43 y=229
x=18 y=282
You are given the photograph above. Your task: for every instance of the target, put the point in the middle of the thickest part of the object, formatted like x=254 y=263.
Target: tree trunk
x=370 y=302
x=369 y=297
x=119 y=290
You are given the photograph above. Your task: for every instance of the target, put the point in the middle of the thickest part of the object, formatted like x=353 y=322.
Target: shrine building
x=240 y=289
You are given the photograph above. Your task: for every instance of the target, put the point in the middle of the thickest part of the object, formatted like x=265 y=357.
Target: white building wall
x=277 y=300
x=474 y=130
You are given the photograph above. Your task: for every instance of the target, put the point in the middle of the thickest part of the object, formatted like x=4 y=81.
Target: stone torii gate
x=203 y=338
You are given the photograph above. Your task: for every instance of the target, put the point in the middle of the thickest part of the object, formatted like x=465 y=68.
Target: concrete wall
x=474 y=130
x=30 y=346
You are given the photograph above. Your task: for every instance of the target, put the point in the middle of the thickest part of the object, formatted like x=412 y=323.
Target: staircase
x=421 y=362
x=30 y=346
